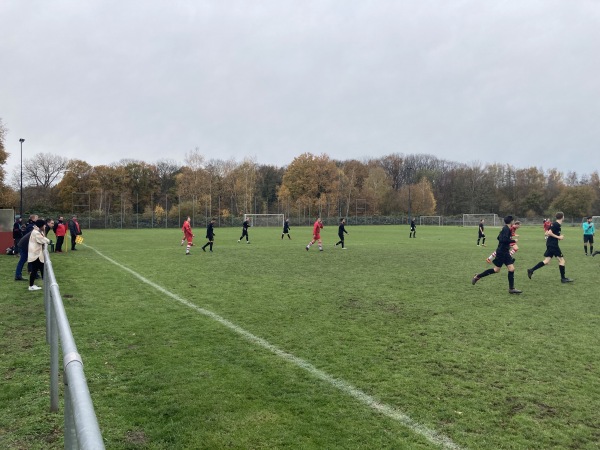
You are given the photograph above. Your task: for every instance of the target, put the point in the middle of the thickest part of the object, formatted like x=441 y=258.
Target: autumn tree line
x=310 y=185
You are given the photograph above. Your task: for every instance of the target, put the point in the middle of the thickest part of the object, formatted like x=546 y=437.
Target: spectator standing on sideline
x=187 y=234
x=75 y=231
x=35 y=252
x=28 y=229
x=413 y=229
x=48 y=227
x=503 y=257
x=60 y=230
x=17 y=232
x=210 y=235
x=341 y=231
x=552 y=249
x=317 y=227
x=588 y=235
x=245 y=227
x=31 y=223
x=23 y=249
x=481 y=236
x=286 y=229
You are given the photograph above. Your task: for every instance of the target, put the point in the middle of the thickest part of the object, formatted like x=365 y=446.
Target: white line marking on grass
x=431 y=435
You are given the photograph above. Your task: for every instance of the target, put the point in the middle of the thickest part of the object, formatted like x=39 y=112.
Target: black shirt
x=17 y=230
x=24 y=242
x=552 y=241
x=504 y=240
x=210 y=233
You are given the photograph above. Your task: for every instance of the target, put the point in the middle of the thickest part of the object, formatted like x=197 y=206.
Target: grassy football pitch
x=383 y=345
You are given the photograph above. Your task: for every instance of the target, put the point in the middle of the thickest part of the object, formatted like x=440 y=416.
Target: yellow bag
x=79 y=239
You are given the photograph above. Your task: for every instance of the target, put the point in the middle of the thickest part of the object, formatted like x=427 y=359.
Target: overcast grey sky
x=489 y=81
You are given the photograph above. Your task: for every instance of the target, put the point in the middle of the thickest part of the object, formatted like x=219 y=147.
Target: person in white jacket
x=37 y=240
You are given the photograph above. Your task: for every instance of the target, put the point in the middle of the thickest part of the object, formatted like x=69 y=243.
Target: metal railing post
x=47 y=308
x=70 y=433
x=81 y=425
x=51 y=338
x=54 y=366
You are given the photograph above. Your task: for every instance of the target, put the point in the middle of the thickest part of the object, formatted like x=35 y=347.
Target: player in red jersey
x=547 y=225
x=187 y=234
x=316 y=234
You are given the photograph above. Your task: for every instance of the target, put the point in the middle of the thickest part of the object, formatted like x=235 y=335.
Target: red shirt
x=187 y=230
x=61 y=229
x=317 y=228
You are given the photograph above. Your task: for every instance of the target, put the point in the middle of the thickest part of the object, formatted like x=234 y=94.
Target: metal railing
x=81 y=427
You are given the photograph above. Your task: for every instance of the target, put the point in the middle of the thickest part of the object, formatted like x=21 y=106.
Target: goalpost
x=430 y=220
x=265 y=220
x=472 y=220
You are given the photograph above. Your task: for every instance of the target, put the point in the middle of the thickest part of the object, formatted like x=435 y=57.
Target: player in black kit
x=503 y=257
x=413 y=229
x=210 y=235
x=245 y=227
x=341 y=231
x=286 y=229
x=552 y=249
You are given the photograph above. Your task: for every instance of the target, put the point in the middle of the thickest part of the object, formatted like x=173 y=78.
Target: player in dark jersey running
x=503 y=257
x=514 y=248
x=552 y=249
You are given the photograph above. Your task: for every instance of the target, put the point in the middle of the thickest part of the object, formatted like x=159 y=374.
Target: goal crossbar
x=430 y=220
x=472 y=220
x=265 y=220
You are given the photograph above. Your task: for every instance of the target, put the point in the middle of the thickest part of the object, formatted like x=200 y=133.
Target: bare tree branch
x=43 y=170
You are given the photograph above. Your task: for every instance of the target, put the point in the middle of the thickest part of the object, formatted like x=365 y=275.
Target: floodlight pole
x=409 y=170
x=21 y=207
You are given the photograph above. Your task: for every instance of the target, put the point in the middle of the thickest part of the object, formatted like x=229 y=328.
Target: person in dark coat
x=17 y=232
x=75 y=230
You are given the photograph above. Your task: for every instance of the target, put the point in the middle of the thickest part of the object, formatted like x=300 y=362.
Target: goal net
x=472 y=220
x=265 y=220
x=596 y=221
x=430 y=220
